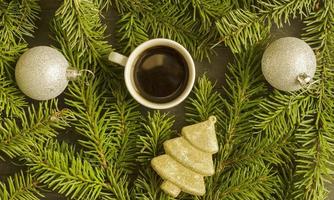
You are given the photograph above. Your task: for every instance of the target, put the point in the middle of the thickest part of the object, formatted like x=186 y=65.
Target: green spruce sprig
x=125 y=125
x=80 y=33
x=38 y=124
x=62 y=169
x=16 y=21
x=92 y=121
x=240 y=29
x=202 y=25
x=132 y=31
x=176 y=20
x=157 y=129
x=12 y=101
x=281 y=12
x=19 y=187
x=204 y=102
x=104 y=114
x=314 y=137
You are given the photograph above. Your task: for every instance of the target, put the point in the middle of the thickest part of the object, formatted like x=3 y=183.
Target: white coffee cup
x=130 y=62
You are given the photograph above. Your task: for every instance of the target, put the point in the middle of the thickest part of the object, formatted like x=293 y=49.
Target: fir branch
x=281 y=112
x=314 y=166
x=320 y=27
x=247 y=183
x=106 y=143
x=19 y=187
x=131 y=31
x=61 y=169
x=275 y=151
x=9 y=53
x=243 y=91
x=281 y=11
x=17 y=20
x=119 y=185
x=245 y=4
x=168 y=21
x=36 y=125
x=241 y=29
x=158 y=128
x=204 y=102
x=12 y=102
x=80 y=33
x=244 y=87
x=286 y=174
x=103 y=4
x=208 y=11
x=91 y=120
x=125 y=127
x=126 y=6
x=147 y=186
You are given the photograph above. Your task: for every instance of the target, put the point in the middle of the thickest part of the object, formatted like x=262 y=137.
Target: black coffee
x=161 y=74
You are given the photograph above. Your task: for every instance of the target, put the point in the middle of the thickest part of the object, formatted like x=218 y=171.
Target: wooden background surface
x=215 y=70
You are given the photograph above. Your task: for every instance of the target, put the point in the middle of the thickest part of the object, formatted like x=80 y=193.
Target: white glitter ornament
x=43 y=73
x=288 y=64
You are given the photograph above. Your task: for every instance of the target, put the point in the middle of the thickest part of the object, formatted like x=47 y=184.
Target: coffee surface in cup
x=160 y=74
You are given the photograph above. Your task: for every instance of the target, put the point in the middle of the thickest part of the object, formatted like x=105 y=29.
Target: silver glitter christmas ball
x=288 y=63
x=41 y=73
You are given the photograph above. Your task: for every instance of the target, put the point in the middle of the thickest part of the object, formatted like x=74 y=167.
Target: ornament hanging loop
x=88 y=71
x=304 y=79
x=72 y=74
x=212 y=119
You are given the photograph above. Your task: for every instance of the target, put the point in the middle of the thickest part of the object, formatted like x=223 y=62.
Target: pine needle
x=19 y=187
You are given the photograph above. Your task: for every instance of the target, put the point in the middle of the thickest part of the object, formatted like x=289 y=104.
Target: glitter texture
x=284 y=60
x=184 y=165
x=41 y=73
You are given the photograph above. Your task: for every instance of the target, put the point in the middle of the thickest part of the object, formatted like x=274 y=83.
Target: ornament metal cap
x=304 y=79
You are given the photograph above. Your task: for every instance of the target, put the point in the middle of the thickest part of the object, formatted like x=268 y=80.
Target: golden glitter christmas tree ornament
x=188 y=159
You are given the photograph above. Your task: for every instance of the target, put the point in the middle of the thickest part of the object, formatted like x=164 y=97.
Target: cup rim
x=129 y=69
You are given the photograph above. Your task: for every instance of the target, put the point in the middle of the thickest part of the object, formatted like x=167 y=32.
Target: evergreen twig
x=80 y=33
x=19 y=187
x=282 y=11
x=12 y=101
x=125 y=127
x=241 y=29
x=204 y=102
x=314 y=137
x=92 y=121
x=107 y=120
x=157 y=129
x=17 y=20
x=132 y=32
x=60 y=168
x=36 y=125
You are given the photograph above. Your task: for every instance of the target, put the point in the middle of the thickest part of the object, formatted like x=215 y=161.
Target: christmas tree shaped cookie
x=188 y=159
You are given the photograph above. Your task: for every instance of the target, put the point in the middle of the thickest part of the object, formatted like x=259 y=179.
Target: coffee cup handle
x=118 y=58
